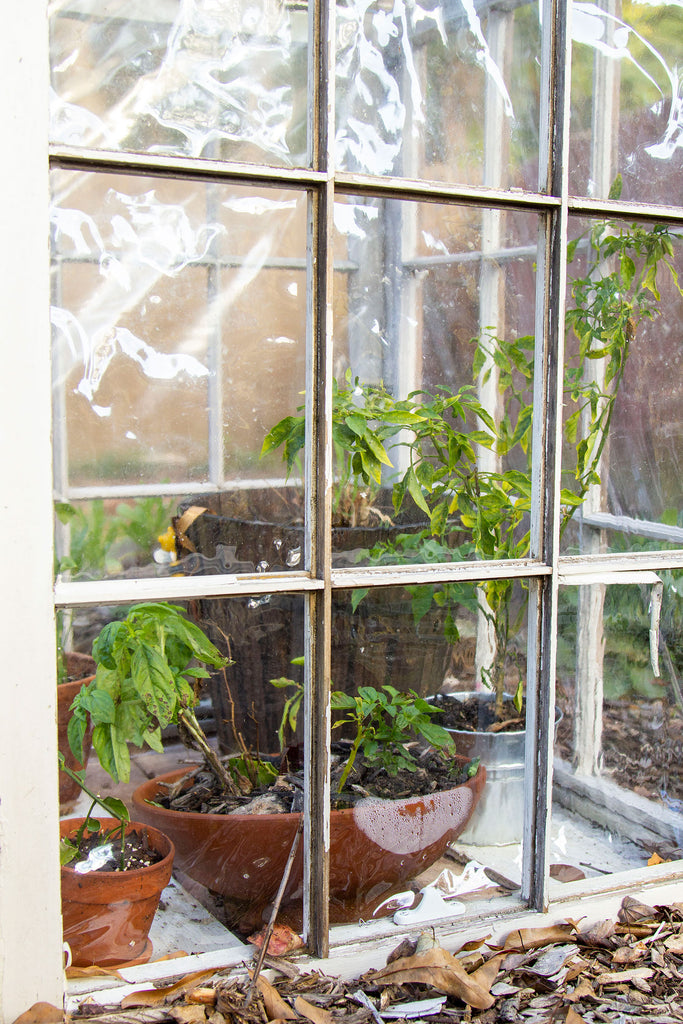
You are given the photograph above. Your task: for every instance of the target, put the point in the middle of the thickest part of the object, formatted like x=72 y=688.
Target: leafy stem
x=111 y=804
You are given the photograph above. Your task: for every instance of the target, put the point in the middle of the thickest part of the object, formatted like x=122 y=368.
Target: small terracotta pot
x=373 y=846
x=106 y=915
x=84 y=665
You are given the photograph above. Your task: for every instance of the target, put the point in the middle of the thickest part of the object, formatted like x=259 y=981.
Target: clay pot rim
x=342 y=812
x=156 y=836
x=488 y=697
x=76 y=682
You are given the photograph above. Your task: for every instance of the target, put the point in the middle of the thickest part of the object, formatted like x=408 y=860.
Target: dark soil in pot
x=475 y=715
x=200 y=791
x=96 y=855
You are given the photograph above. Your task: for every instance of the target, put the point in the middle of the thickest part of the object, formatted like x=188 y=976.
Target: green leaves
x=142 y=683
x=385 y=721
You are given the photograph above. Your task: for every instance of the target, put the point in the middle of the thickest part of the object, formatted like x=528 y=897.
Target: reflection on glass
x=626 y=111
x=619 y=782
x=179 y=332
x=439 y=91
x=189 y=79
x=407 y=668
x=231 y=827
x=437 y=423
x=623 y=431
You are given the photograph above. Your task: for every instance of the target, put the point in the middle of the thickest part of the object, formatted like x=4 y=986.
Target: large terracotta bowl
x=374 y=846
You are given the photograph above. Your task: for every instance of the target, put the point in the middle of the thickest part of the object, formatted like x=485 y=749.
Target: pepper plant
x=617 y=290
x=365 y=419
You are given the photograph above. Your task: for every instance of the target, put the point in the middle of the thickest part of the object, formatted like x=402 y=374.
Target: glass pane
x=623 y=385
x=179 y=335
x=185 y=79
x=404 y=662
x=618 y=781
x=439 y=91
x=232 y=837
x=625 y=115
x=433 y=427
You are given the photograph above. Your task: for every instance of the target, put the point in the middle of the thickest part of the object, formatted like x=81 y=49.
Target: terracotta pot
x=83 y=666
x=374 y=846
x=106 y=915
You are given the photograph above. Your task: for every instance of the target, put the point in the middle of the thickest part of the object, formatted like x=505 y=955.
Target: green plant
x=93 y=533
x=70 y=849
x=365 y=417
x=99 y=539
x=617 y=290
x=147 y=667
x=142 y=521
x=384 y=722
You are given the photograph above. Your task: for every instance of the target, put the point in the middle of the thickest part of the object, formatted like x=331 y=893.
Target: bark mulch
x=628 y=970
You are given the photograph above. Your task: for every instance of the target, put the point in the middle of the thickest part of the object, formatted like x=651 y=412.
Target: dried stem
x=193 y=727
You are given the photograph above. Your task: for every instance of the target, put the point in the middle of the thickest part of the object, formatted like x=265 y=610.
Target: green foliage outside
x=102 y=542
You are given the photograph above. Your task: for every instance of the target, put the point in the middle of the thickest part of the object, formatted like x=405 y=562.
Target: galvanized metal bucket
x=499 y=816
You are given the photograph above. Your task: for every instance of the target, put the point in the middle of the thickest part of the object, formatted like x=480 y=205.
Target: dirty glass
x=623 y=412
x=442 y=90
x=179 y=340
x=625 y=106
x=199 y=79
x=413 y=664
x=618 y=786
x=433 y=380
x=231 y=831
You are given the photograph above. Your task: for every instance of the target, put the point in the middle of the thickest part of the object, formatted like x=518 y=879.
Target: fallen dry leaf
x=566 y=873
x=619 y=977
x=316 y=1014
x=534 y=938
x=93 y=972
x=632 y=911
x=41 y=1013
x=283 y=940
x=599 y=934
x=438 y=969
x=188 y=1014
x=158 y=996
x=628 y=954
x=656 y=859
x=276 y=1007
x=674 y=943
x=584 y=990
x=573 y=1017
x=486 y=975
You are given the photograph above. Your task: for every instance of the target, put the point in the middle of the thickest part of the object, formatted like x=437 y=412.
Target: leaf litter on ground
x=628 y=970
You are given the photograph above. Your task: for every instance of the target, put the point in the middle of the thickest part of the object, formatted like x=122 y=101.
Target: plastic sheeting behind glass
x=179 y=314
x=433 y=362
x=627 y=114
x=624 y=385
x=181 y=77
x=618 y=784
x=439 y=90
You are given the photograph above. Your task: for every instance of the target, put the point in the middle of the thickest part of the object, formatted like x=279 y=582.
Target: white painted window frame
x=30 y=924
